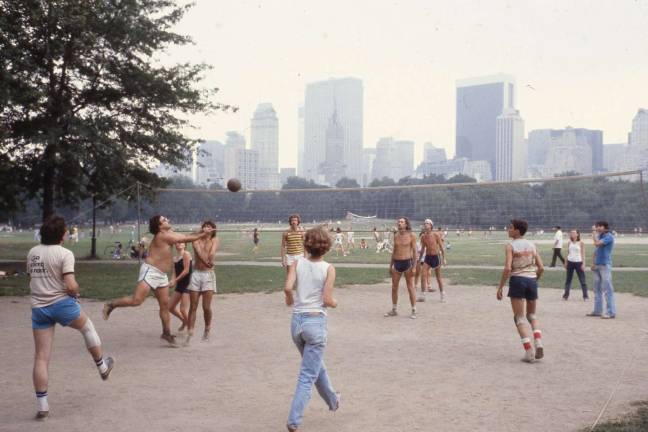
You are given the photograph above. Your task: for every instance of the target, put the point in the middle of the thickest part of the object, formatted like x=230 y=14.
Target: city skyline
x=575 y=77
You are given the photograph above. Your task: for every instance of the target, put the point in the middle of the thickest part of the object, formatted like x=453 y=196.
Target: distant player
x=524 y=267
x=153 y=273
x=292 y=242
x=432 y=243
x=338 y=245
x=54 y=293
x=255 y=240
x=403 y=262
x=203 y=280
x=350 y=240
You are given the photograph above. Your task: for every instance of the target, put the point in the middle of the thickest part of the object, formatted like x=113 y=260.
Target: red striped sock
x=526 y=342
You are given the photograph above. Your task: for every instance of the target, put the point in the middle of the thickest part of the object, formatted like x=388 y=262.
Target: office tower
x=323 y=98
x=210 y=163
x=479 y=102
x=570 y=151
x=510 y=155
x=333 y=167
x=433 y=154
x=394 y=159
x=301 y=161
x=265 y=140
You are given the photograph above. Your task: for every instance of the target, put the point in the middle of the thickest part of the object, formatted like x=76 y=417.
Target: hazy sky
x=586 y=60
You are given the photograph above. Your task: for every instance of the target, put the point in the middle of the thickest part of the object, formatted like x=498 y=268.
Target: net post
x=139 y=212
x=93 y=246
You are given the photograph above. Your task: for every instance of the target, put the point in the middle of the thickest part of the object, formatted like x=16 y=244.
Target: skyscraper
x=323 y=98
x=301 y=161
x=637 y=152
x=394 y=159
x=433 y=154
x=479 y=102
x=333 y=167
x=210 y=163
x=265 y=140
x=571 y=150
x=544 y=142
x=510 y=154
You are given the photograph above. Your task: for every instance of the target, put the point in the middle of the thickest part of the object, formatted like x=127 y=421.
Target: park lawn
x=635 y=422
x=103 y=281
x=237 y=246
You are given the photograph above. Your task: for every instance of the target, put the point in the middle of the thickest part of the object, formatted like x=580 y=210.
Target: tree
x=385 y=181
x=294 y=182
x=84 y=104
x=461 y=178
x=346 y=182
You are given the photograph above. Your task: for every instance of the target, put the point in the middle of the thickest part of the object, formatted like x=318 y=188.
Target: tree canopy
x=85 y=106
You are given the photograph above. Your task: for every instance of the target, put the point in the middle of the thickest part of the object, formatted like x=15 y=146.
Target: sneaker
x=539 y=351
x=442 y=297
x=205 y=336
x=169 y=338
x=565 y=298
x=41 y=415
x=110 y=362
x=606 y=316
x=592 y=314
x=413 y=315
x=107 y=309
x=391 y=313
x=187 y=341
x=420 y=298
x=529 y=356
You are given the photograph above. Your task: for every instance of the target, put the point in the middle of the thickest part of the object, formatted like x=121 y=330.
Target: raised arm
x=173 y=237
x=291 y=277
x=328 y=299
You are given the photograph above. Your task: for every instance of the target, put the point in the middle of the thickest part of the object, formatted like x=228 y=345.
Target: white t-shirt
x=574 y=252
x=311 y=277
x=46 y=266
x=558 y=238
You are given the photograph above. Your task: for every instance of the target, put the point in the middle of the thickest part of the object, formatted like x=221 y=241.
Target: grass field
x=630 y=251
x=636 y=422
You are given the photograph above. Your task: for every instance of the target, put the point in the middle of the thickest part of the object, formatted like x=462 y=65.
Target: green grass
x=104 y=281
x=627 y=282
x=237 y=246
x=635 y=422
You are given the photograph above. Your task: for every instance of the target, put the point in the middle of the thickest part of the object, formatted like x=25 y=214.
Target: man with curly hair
x=402 y=262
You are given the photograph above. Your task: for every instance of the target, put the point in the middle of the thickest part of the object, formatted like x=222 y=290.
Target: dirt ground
x=456 y=368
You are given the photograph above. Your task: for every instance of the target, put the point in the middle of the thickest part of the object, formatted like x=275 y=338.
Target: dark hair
x=604 y=224
x=317 y=241
x=154 y=224
x=557 y=227
x=290 y=218
x=210 y=224
x=408 y=226
x=577 y=234
x=338 y=229
x=521 y=225
x=53 y=230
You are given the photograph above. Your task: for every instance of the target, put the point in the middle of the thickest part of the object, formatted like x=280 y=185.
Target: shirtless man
x=292 y=242
x=403 y=261
x=153 y=273
x=432 y=243
x=203 y=279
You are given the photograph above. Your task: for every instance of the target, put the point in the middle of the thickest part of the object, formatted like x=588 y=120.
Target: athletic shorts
x=182 y=287
x=62 y=312
x=401 y=266
x=292 y=258
x=523 y=287
x=154 y=277
x=432 y=260
x=203 y=280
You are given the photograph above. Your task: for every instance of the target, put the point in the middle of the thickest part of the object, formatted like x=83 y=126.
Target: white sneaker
x=529 y=356
x=443 y=297
x=413 y=315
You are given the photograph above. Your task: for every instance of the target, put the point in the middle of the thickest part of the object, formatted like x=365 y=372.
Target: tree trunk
x=49 y=175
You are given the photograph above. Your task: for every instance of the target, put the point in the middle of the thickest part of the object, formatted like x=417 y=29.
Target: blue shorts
x=62 y=312
x=401 y=266
x=432 y=260
x=523 y=287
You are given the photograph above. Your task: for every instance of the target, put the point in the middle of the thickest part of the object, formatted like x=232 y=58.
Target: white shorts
x=202 y=280
x=154 y=277
x=292 y=258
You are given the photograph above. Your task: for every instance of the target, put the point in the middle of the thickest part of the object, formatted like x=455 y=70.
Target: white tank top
x=310 y=286
x=574 y=252
x=523 y=258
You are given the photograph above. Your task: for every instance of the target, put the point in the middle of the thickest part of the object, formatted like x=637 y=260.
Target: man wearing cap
x=432 y=244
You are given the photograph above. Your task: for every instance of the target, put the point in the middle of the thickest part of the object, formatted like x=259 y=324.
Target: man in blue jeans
x=602 y=269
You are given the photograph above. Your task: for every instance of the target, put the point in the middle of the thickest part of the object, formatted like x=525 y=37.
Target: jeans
x=571 y=268
x=557 y=253
x=309 y=334
x=603 y=286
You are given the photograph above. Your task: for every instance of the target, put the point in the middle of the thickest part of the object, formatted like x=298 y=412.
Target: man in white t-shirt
x=557 y=247
x=54 y=293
